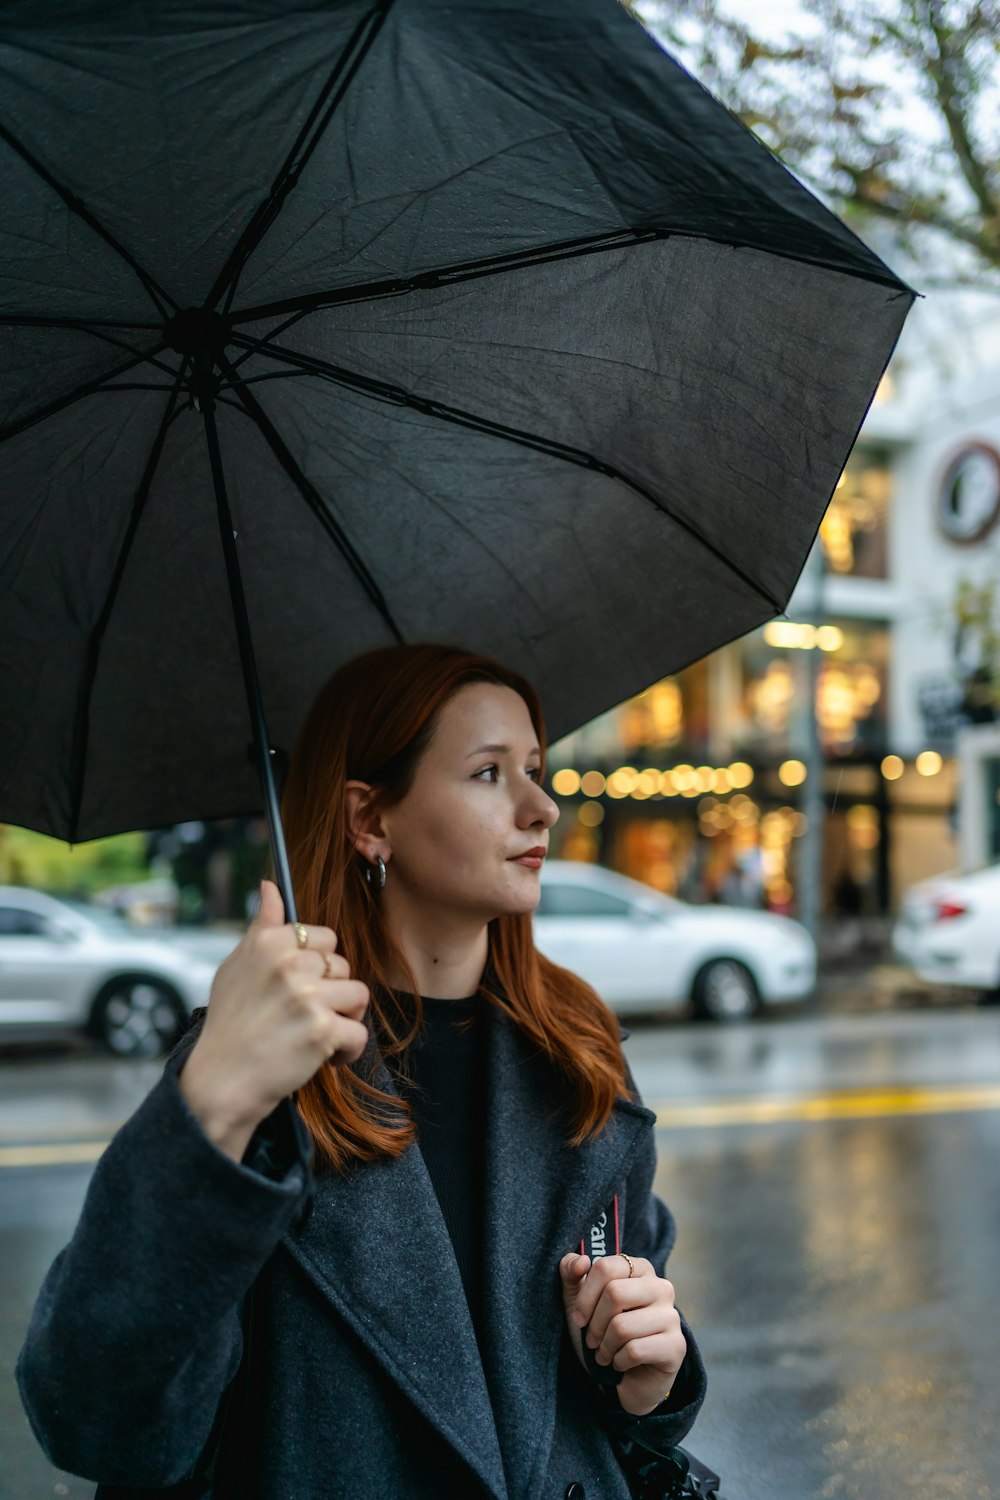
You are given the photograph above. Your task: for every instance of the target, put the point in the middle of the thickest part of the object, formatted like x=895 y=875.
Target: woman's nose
x=540 y=809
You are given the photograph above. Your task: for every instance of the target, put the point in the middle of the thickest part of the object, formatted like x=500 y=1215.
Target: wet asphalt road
x=837 y=1190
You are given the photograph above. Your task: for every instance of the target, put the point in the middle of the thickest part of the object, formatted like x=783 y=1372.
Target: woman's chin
x=522 y=900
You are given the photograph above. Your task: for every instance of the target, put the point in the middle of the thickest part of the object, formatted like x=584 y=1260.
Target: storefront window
x=655 y=718
x=854 y=531
x=851 y=694
x=692 y=786
x=663 y=852
x=769 y=698
x=924 y=832
x=672 y=715
x=851 y=706
x=668 y=722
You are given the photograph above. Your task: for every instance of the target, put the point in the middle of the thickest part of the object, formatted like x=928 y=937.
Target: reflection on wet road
x=812 y=1054
x=841 y=1273
x=835 y=1183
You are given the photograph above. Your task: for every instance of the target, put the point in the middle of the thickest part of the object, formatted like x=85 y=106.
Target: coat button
x=575 y=1491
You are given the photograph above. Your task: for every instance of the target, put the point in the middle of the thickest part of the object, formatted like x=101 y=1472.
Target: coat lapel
x=376 y=1245
x=541 y=1196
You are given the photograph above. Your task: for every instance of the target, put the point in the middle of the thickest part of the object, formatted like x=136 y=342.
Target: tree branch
x=913 y=211
x=824 y=101
x=951 y=101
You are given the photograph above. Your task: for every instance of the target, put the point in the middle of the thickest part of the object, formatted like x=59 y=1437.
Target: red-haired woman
x=376 y=1287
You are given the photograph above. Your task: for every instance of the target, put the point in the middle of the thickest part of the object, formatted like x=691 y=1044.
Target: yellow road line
x=846 y=1105
x=42 y=1134
x=58 y=1155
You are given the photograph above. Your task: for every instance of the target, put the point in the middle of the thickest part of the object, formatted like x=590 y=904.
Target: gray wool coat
x=362 y=1376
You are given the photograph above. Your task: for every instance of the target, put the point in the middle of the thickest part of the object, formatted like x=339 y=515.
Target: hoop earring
x=376 y=882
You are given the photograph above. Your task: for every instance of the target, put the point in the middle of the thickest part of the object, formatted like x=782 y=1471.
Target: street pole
x=812 y=804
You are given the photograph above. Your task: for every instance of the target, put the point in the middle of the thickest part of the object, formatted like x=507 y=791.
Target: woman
x=390 y=1266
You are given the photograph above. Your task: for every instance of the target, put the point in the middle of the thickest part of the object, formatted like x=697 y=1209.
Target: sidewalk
x=858 y=971
x=885 y=986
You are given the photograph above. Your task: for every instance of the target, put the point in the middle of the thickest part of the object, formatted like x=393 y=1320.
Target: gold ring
x=327 y=965
x=301 y=934
x=631 y=1264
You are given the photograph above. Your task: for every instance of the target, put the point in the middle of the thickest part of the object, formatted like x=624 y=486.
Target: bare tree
x=889 y=109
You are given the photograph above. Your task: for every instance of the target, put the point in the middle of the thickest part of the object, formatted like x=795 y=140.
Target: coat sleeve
x=136 y=1332
x=649 y=1231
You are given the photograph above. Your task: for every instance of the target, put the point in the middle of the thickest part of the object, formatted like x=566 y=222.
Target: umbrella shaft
x=255 y=703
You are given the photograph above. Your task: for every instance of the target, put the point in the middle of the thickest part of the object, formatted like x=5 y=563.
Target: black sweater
x=446 y=1092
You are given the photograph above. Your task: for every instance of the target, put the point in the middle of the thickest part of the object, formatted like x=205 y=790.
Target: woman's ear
x=363 y=822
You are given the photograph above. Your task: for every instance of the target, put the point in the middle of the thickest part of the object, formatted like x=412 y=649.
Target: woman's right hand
x=272 y=1020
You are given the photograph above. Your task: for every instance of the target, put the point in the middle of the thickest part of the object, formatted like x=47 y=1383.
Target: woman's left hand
x=633 y=1324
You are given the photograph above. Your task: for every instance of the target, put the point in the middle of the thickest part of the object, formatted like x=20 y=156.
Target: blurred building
x=947 y=640
x=697 y=785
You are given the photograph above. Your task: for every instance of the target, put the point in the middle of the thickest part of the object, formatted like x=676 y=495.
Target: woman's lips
x=532 y=860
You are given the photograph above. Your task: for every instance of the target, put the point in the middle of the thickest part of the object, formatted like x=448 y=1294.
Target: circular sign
x=968 y=500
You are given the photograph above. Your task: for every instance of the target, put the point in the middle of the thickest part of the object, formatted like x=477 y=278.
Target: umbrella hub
x=198 y=330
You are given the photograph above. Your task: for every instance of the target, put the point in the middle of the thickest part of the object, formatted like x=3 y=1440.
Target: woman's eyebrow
x=498 y=750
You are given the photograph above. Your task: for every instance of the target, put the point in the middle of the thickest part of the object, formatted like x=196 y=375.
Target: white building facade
x=698 y=785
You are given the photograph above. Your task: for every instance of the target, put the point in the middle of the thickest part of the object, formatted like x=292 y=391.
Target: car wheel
x=137 y=1016
x=725 y=990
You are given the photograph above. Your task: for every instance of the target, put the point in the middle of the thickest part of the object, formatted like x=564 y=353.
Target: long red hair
x=372 y=722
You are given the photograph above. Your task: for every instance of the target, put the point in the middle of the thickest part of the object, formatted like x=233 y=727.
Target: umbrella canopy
x=493 y=326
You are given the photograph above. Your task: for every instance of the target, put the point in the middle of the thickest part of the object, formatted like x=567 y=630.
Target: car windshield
x=101 y=916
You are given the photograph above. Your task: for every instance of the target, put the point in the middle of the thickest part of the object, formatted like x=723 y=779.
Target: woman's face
x=458 y=837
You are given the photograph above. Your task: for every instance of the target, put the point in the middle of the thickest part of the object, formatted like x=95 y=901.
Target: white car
x=643 y=951
x=69 y=965
x=948 y=930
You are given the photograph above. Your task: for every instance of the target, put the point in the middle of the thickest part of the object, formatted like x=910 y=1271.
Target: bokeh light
x=740 y=774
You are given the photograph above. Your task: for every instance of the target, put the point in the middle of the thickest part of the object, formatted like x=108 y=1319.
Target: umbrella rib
x=273 y=333
x=150 y=358
x=98 y=331
x=32 y=320
x=497 y=265
x=423 y=281
x=340 y=78
x=90 y=389
x=157 y=295
x=257 y=379
x=381 y=390
x=81 y=723
x=134 y=385
x=310 y=494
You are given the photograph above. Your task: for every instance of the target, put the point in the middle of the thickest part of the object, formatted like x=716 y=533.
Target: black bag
x=676 y=1475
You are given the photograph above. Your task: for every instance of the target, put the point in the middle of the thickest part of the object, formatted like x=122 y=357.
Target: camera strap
x=595 y=1242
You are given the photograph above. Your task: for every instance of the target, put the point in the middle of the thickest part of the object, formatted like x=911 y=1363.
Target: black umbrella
x=454 y=320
